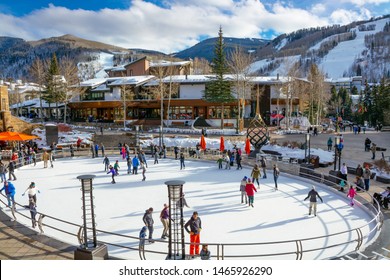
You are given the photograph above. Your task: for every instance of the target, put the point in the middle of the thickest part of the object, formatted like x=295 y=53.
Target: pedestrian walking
x=10 y=192
x=32 y=191
x=313 y=194
x=373 y=150
x=276 y=173
x=344 y=171
x=11 y=170
x=367 y=144
x=330 y=143
x=359 y=170
x=255 y=174
x=367 y=176
x=106 y=163
x=351 y=194
x=194 y=226
x=97 y=150
x=250 y=192
x=78 y=144
x=103 y=149
x=164 y=218
x=113 y=173
x=71 y=150
x=176 y=151
x=243 y=191
x=263 y=164
x=92 y=150
x=143 y=158
x=182 y=165
x=135 y=164
x=148 y=221
x=34 y=157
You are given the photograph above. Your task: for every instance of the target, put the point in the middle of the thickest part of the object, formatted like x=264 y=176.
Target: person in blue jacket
x=135 y=164
x=10 y=191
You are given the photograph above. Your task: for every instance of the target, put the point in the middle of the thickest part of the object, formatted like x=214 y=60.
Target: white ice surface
x=276 y=216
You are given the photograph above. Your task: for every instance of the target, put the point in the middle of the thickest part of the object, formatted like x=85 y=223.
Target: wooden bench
x=228 y=124
x=178 y=123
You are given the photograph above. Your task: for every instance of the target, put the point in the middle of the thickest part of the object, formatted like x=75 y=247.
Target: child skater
x=351 y=194
x=116 y=167
x=113 y=173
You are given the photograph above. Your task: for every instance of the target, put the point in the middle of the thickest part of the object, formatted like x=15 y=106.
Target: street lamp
x=336 y=149
x=307 y=159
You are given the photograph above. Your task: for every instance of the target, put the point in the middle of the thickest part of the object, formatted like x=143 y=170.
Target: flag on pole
x=202 y=142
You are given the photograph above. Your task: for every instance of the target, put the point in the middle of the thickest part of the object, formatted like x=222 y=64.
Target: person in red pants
x=195 y=225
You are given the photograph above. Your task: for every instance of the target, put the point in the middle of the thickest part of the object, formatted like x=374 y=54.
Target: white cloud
x=176 y=26
x=366 y=2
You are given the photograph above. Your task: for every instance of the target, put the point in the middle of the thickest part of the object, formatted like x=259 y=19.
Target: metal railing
x=297 y=248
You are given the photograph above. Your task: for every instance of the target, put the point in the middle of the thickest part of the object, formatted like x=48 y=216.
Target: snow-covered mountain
x=361 y=49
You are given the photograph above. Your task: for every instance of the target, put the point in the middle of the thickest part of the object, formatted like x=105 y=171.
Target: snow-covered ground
x=276 y=216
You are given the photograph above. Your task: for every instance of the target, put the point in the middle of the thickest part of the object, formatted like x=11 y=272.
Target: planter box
x=381 y=179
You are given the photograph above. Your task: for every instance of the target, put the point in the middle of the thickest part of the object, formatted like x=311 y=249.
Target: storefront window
x=180 y=112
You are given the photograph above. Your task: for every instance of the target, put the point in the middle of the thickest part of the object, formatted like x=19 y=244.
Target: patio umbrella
x=202 y=143
x=222 y=144
x=15 y=136
x=247 y=146
x=278 y=116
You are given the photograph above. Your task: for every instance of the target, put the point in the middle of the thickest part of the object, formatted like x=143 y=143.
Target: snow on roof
x=34 y=103
x=93 y=82
x=131 y=80
x=164 y=63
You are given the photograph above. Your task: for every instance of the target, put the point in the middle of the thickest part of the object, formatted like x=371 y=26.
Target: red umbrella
x=202 y=143
x=247 y=146
x=222 y=144
x=277 y=116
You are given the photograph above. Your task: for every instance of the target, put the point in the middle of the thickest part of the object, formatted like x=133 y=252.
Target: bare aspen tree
x=69 y=69
x=318 y=95
x=37 y=71
x=239 y=63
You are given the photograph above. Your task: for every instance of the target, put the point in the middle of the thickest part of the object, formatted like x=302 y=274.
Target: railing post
x=299 y=250
x=359 y=240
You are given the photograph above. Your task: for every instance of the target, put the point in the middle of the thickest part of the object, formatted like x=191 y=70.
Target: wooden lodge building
x=136 y=92
x=139 y=99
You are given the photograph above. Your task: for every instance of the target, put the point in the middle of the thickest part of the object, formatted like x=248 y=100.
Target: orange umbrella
x=202 y=143
x=222 y=144
x=247 y=146
x=16 y=136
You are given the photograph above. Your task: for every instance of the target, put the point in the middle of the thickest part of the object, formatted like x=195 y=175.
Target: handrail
x=221 y=247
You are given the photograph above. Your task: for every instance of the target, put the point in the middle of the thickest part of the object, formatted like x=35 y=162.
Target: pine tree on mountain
x=218 y=90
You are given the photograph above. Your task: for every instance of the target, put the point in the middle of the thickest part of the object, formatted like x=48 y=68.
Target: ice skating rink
x=277 y=215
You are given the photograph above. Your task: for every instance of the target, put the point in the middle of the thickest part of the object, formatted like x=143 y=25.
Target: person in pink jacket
x=250 y=191
x=351 y=194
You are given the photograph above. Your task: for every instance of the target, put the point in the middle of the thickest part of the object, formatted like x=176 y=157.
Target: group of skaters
x=247 y=187
x=134 y=164
x=193 y=227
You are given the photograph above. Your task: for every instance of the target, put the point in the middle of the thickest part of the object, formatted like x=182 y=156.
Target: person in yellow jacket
x=45 y=158
x=256 y=173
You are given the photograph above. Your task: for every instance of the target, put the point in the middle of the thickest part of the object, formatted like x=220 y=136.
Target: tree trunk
x=222 y=115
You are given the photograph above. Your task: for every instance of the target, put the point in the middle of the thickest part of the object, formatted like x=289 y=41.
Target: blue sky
x=172 y=25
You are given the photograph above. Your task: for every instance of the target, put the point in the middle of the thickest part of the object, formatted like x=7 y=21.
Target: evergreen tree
x=218 y=89
x=55 y=85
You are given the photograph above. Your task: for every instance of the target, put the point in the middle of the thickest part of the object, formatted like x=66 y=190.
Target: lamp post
x=336 y=149
x=176 y=246
x=307 y=142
